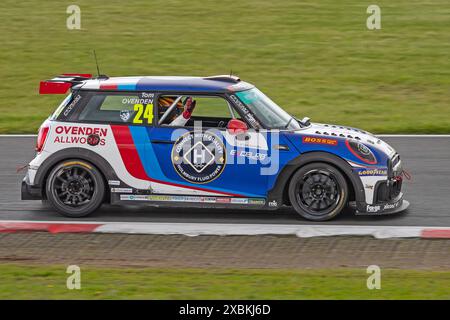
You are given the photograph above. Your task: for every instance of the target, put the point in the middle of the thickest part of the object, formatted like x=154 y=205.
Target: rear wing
x=61 y=84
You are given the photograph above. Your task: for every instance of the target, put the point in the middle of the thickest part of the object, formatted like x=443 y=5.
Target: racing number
x=143 y=112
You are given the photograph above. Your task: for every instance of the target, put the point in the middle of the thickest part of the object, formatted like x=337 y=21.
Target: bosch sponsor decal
x=246 y=112
x=71 y=105
x=197 y=199
x=114 y=182
x=80 y=135
x=199 y=157
x=372 y=172
x=318 y=140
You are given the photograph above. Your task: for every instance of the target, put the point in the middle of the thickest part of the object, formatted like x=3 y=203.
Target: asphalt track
x=427 y=158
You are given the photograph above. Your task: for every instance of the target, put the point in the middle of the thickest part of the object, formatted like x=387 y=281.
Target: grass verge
x=315 y=59
x=49 y=282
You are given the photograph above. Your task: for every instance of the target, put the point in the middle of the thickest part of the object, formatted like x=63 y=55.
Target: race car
x=214 y=142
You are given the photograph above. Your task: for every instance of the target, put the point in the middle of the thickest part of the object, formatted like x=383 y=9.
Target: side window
x=135 y=108
x=213 y=111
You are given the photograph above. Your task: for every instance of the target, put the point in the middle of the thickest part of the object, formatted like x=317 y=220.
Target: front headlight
x=361 y=151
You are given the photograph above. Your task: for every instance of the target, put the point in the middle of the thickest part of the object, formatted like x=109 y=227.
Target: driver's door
x=203 y=155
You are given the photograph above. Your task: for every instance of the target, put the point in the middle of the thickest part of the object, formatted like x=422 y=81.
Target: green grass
x=314 y=58
x=49 y=282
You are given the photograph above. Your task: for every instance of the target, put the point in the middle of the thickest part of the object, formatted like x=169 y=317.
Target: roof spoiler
x=61 y=84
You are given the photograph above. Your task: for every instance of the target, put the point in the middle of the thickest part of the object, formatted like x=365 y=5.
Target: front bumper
x=394 y=206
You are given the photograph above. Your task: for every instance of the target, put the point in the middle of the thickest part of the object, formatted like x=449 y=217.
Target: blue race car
x=215 y=142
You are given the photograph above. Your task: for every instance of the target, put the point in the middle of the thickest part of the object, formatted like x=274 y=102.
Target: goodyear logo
x=317 y=140
x=373 y=172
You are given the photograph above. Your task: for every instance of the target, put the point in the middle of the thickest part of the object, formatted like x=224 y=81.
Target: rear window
x=136 y=108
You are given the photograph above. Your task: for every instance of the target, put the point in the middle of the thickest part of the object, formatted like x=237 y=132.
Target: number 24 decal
x=143 y=112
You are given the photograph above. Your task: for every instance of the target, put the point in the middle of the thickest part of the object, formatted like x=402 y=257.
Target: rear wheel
x=75 y=188
x=318 y=191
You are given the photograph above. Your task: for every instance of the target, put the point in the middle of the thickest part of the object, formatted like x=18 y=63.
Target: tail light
x=42 y=136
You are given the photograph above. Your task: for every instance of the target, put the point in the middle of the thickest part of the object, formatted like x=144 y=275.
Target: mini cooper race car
x=215 y=142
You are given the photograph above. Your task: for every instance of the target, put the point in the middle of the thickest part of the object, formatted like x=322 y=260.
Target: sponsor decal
x=198 y=199
x=114 y=182
x=369 y=186
x=372 y=172
x=81 y=135
x=199 y=157
x=387 y=206
x=93 y=139
x=121 y=190
x=133 y=197
x=248 y=154
x=273 y=203
x=223 y=200
x=208 y=199
x=125 y=115
x=370 y=208
x=71 y=105
x=246 y=112
x=239 y=200
x=256 y=201
x=317 y=140
x=363 y=149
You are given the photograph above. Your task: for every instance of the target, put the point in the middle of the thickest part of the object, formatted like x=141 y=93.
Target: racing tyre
x=75 y=188
x=318 y=191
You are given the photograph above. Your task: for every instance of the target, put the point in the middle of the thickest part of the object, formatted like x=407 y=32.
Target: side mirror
x=236 y=126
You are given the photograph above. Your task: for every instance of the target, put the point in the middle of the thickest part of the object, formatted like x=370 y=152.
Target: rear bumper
x=29 y=192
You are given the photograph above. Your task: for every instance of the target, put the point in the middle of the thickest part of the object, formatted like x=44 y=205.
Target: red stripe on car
x=131 y=159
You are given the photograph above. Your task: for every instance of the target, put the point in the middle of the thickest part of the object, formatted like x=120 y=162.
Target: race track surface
x=426 y=158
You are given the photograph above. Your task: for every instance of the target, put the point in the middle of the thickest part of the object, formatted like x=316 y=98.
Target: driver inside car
x=183 y=111
x=188 y=108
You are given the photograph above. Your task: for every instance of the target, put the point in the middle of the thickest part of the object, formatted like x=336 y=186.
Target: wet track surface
x=426 y=158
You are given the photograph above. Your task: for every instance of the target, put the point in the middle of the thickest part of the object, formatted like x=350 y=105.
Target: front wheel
x=75 y=188
x=318 y=191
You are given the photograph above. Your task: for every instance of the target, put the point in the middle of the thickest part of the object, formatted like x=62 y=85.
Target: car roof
x=214 y=84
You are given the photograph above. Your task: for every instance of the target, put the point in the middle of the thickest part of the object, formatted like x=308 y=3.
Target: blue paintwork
x=238 y=178
x=243 y=178
x=187 y=84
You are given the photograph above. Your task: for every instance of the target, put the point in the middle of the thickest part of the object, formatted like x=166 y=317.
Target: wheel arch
x=279 y=192
x=92 y=157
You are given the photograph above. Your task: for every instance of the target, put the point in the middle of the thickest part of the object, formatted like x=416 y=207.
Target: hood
x=333 y=131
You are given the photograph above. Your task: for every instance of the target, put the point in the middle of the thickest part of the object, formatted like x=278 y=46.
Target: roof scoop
x=224 y=77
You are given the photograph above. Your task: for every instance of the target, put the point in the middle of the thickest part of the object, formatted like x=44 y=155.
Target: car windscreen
x=267 y=111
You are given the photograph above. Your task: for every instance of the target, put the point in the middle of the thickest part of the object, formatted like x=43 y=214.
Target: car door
x=203 y=157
